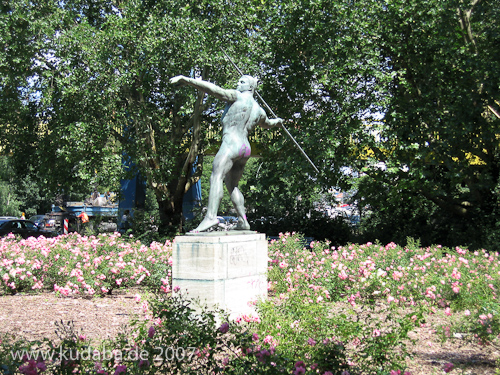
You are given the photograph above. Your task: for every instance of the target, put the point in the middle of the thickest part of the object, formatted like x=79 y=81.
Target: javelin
x=274 y=115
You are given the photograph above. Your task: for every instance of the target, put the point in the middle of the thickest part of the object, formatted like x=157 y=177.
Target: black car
x=37 y=219
x=23 y=228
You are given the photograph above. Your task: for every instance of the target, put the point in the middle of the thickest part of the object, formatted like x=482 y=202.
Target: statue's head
x=247 y=83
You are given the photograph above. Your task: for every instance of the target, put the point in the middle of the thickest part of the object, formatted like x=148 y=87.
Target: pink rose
x=151 y=332
x=224 y=328
x=448 y=367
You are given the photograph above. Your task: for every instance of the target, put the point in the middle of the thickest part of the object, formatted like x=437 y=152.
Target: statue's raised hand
x=178 y=81
x=277 y=121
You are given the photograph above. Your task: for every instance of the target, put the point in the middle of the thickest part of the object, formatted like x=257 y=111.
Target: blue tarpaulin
x=192 y=198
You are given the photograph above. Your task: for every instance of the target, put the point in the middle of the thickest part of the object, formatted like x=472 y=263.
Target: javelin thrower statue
x=241 y=115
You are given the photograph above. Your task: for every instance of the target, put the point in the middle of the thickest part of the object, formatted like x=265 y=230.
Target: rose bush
x=387 y=290
x=81 y=265
x=345 y=310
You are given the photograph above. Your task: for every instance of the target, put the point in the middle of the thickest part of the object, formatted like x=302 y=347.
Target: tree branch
x=460 y=209
x=464 y=21
x=118 y=136
x=186 y=181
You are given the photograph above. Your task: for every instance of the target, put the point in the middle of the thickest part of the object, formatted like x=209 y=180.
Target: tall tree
x=406 y=94
x=319 y=72
x=442 y=118
x=98 y=74
x=412 y=85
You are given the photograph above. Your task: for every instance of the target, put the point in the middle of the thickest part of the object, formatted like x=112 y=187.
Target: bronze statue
x=241 y=115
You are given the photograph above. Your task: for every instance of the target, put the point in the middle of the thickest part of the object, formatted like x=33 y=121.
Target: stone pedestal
x=227 y=269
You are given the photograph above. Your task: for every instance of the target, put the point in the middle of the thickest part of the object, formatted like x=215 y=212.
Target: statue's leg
x=232 y=179
x=222 y=164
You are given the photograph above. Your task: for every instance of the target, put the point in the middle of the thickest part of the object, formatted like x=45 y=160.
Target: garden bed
x=34 y=317
x=430 y=354
x=356 y=308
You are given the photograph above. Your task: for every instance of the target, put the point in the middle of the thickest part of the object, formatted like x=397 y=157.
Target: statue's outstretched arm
x=205 y=86
x=268 y=123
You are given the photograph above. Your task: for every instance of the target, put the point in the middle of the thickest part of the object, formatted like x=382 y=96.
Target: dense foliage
x=21 y=193
x=404 y=95
x=439 y=139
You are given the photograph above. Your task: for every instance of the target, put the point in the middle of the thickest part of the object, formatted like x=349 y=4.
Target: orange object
x=84 y=217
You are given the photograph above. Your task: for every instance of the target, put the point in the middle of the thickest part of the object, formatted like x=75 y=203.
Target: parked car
x=23 y=228
x=8 y=218
x=37 y=219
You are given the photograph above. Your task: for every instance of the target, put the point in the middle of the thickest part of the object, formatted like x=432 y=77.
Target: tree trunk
x=171 y=217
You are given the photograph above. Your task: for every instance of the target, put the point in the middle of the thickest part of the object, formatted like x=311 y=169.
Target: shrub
x=331 y=309
x=75 y=264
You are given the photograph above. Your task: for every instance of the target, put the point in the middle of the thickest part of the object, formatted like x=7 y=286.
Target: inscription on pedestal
x=238 y=256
